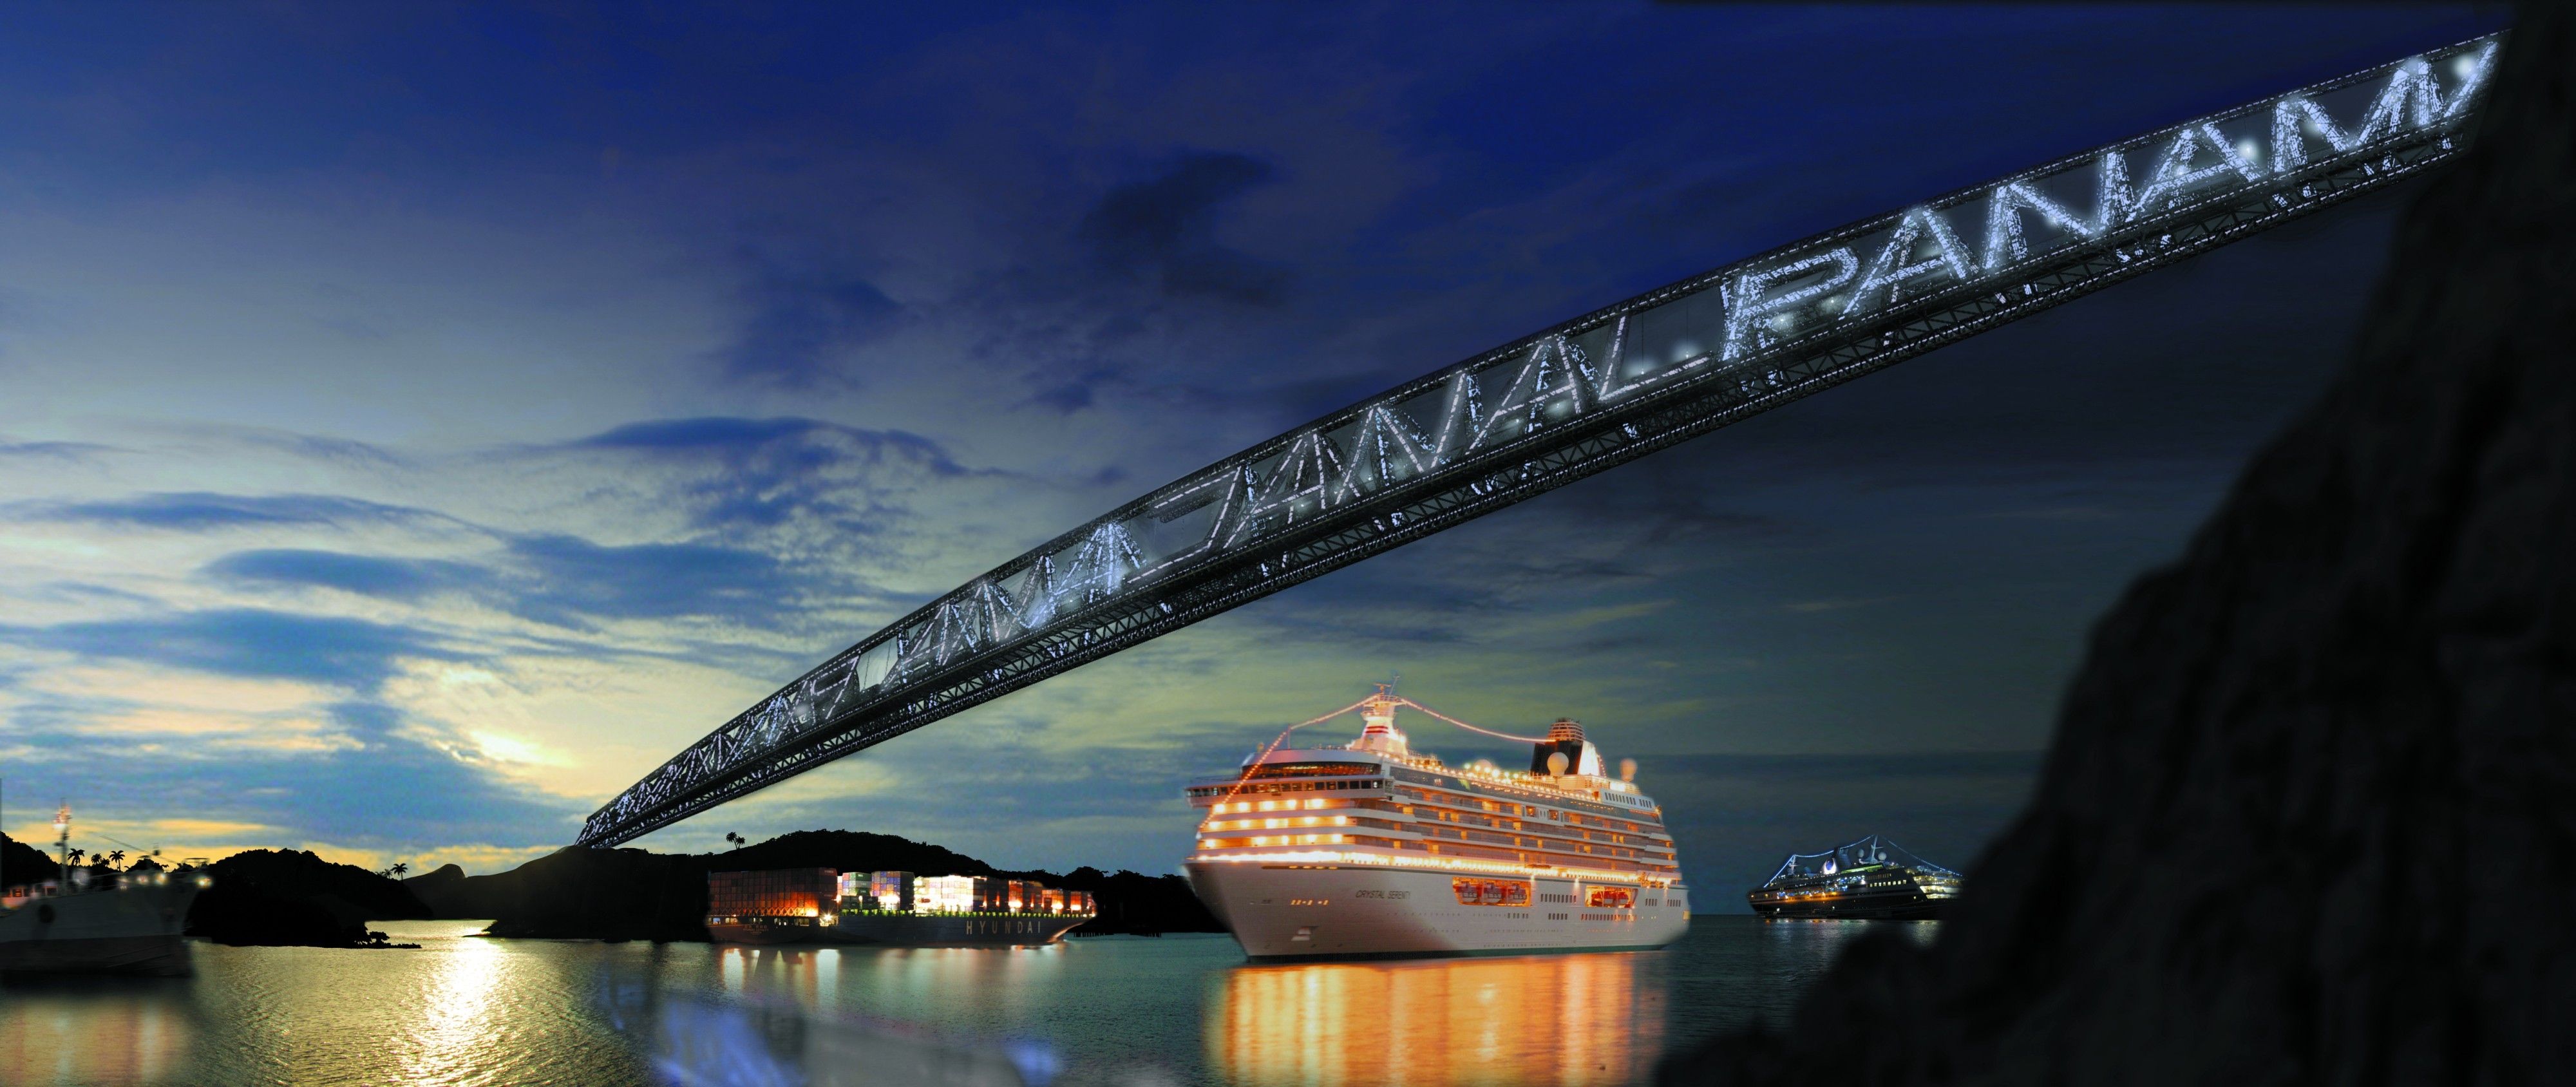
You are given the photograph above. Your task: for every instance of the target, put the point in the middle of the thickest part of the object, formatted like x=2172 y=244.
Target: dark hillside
x=291 y=898
x=21 y=864
x=633 y=894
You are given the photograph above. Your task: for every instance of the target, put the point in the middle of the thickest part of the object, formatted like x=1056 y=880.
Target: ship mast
x=1377 y=716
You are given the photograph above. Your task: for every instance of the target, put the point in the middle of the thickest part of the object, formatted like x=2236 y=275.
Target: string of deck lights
x=1282 y=738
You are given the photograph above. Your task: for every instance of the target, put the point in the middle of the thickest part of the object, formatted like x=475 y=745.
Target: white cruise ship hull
x=1297 y=912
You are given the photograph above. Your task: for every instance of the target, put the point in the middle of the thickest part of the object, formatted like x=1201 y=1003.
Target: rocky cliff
x=2310 y=813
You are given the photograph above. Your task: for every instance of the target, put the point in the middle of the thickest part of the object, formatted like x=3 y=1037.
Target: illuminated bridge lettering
x=1581 y=397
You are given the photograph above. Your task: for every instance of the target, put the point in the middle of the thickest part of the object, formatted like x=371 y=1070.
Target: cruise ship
x=1373 y=849
x=1871 y=879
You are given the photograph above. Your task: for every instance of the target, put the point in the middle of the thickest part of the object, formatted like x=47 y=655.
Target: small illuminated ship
x=98 y=921
x=824 y=906
x=1372 y=849
x=1870 y=879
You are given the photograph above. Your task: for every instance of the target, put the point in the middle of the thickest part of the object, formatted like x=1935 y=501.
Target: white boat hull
x=130 y=931
x=1297 y=912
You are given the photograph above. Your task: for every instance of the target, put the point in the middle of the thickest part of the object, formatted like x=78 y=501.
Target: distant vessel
x=1871 y=879
x=825 y=906
x=107 y=922
x=1372 y=849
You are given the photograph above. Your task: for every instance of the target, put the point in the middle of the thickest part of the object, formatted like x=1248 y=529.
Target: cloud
x=570 y=577
x=553 y=578
x=348 y=653
x=798 y=322
x=365 y=575
x=738 y=438
x=378 y=784
x=1069 y=393
x=62 y=451
x=1165 y=227
x=765 y=472
x=193 y=511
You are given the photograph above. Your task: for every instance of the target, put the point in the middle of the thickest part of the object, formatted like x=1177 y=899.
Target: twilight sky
x=418 y=422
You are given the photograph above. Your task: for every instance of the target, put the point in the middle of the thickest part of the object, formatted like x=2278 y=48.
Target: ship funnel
x=1564 y=752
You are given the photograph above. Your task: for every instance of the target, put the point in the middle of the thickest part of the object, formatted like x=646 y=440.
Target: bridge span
x=1580 y=397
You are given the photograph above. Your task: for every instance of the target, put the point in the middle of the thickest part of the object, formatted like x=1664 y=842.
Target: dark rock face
x=2310 y=815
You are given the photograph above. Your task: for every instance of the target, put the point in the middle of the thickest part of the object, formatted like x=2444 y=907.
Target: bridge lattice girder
x=1584 y=396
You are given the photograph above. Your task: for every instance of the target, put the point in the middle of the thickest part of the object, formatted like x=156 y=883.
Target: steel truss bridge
x=1583 y=396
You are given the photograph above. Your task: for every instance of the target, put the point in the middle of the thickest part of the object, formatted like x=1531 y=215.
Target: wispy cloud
x=349 y=653
x=1164 y=227
x=801 y=319
x=365 y=575
x=197 y=511
x=54 y=451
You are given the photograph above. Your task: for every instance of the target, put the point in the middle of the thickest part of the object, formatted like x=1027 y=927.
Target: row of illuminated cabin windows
x=1331 y=830
x=1605 y=861
x=1299 y=815
x=1568 y=810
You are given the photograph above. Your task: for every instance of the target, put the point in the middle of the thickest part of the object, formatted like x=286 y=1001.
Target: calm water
x=1116 y=1010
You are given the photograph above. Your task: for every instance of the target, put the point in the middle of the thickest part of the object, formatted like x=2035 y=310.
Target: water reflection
x=1115 y=1010
x=80 y=1030
x=828 y=1016
x=1567 y=1019
x=456 y=1026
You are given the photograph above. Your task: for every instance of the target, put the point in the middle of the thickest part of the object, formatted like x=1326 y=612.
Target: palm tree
x=116 y=858
x=400 y=868
x=77 y=854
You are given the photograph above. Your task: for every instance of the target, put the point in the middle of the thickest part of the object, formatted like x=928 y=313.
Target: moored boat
x=824 y=906
x=1871 y=879
x=101 y=921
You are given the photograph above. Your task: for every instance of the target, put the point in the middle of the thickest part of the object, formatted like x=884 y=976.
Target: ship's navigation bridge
x=1584 y=396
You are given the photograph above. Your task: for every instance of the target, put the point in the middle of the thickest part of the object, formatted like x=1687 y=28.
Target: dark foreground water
x=1117 y=1010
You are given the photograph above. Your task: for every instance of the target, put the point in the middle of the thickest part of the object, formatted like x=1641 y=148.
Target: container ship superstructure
x=1374 y=849
x=98 y=920
x=1871 y=879
x=824 y=906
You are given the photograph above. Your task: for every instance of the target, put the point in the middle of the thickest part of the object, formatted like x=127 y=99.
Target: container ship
x=825 y=906
x=1371 y=849
x=98 y=920
x=1870 y=879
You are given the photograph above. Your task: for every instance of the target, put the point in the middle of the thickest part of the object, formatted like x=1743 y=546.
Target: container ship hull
x=1282 y=912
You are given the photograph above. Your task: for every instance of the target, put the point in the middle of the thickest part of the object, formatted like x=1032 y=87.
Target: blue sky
x=420 y=421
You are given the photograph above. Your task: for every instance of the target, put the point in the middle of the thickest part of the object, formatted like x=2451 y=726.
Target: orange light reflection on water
x=1565 y=1019
x=52 y=1038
